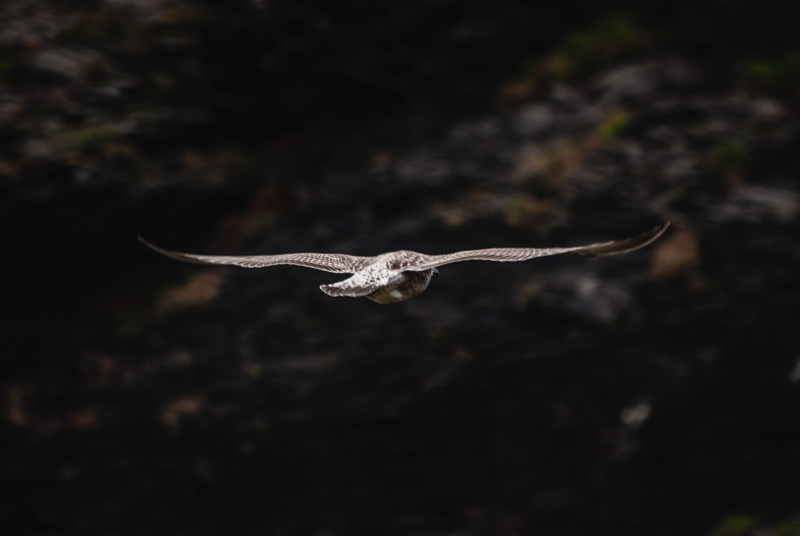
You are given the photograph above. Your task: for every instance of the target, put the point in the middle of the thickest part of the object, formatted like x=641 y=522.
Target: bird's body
x=399 y=275
x=387 y=279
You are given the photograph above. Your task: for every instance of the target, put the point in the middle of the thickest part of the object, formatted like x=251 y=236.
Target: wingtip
x=630 y=244
x=660 y=229
x=162 y=251
x=653 y=234
x=144 y=241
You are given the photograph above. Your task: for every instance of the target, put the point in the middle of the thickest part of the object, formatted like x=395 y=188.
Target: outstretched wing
x=613 y=247
x=328 y=262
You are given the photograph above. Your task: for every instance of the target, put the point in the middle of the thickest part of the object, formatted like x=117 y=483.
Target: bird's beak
x=435 y=271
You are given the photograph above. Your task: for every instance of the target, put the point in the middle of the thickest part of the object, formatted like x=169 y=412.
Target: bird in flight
x=399 y=275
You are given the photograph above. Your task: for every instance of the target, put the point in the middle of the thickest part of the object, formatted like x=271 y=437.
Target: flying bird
x=399 y=275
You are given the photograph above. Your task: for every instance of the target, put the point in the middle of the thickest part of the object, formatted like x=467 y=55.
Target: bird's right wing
x=613 y=247
x=328 y=262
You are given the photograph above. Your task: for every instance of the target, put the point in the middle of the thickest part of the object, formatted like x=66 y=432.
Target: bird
x=397 y=276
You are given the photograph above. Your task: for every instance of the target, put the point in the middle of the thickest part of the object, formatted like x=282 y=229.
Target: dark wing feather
x=613 y=247
x=328 y=262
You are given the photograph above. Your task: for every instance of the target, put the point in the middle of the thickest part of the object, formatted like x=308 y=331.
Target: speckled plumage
x=399 y=275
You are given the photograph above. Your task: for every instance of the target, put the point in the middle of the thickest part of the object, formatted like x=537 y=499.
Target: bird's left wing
x=613 y=247
x=328 y=262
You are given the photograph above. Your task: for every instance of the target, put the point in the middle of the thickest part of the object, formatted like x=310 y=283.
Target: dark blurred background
x=651 y=393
